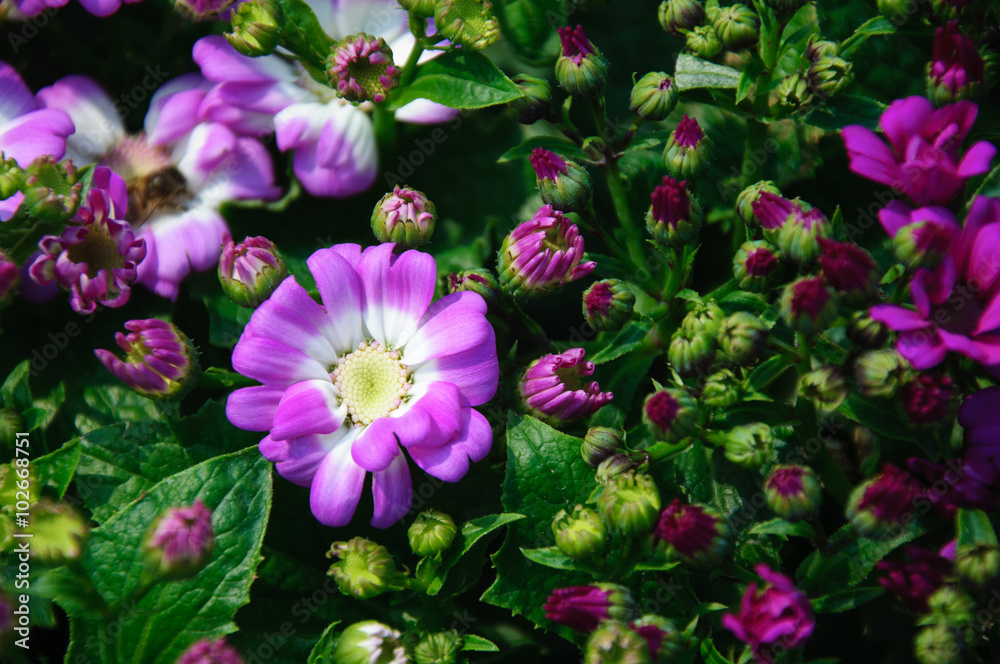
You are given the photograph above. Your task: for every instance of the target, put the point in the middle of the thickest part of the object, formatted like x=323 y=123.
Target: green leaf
x=990 y=186
x=527 y=29
x=974 y=529
x=870 y=28
x=769 y=42
x=171 y=616
x=845 y=109
x=783 y=527
x=846 y=600
x=208 y=432
x=551 y=556
x=460 y=79
x=113 y=403
x=829 y=573
x=710 y=653
x=15 y=391
x=545 y=474
x=767 y=372
x=475 y=643
x=748 y=78
x=303 y=35
x=879 y=416
x=692 y=73
x=468 y=537
x=628 y=339
x=557 y=145
x=322 y=652
x=56 y=469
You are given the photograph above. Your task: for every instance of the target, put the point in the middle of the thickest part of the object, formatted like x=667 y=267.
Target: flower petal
x=340 y=289
x=474 y=372
x=176 y=244
x=392 y=490
x=336 y=487
x=397 y=292
x=97 y=122
x=253 y=408
x=922 y=348
x=35 y=134
x=450 y=462
x=308 y=407
x=285 y=324
x=302 y=457
x=269 y=361
x=453 y=324
x=898 y=318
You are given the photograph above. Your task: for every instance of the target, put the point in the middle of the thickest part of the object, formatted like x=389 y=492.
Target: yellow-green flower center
x=372 y=382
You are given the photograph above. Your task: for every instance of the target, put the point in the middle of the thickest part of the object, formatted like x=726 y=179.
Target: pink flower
x=542 y=253
x=694 y=532
x=181 y=541
x=206 y=651
x=583 y=608
x=917 y=579
x=377 y=370
x=923 y=159
x=956 y=68
x=957 y=304
x=552 y=389
x=776 y=615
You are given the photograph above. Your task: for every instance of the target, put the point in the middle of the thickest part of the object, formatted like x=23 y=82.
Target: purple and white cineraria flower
x=333 y=140
x=27 y=130
x=375 y=370
x=179 y=172
x=97 y=255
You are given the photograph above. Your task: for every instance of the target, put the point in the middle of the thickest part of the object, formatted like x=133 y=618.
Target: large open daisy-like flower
x=374 y=370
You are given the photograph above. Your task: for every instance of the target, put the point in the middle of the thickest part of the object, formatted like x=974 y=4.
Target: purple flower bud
x=749 y=196
x=654 y=96
x=793 y=492
x=670 y=414
x=583 y=608
x=688 y=151
x=180 y=541
x=916 y=580
x=928 y=399
x=207 y=651
x=757 y=266
x=793 y=226
x=956 y=68
x=661 y=635
x=97 y=256
x=674 y=216
x=535 y=100
x=160 y=360
x=921 y=237
x=581 y=69
x=696 y=533
x=361 y=68
x=542 y=253
x=551 y=388
x=562 y=184
x=10 y=276
x=404 y=216
x=608 y=304
x=250 y=271
x=807 y=305
x=776 y=615
x=883 y=501
x=847 y=267
x=476 y=280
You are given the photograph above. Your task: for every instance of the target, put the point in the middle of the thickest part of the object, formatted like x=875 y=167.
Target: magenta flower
x=97 y=255
x=180 y=542
x=957 y=304
x=776 y=615
x=27 y=130
x=917 y=579
x=547 y=164
x=694 y=532
x=923 y=158
x=971 y=482
x=956 y=69
x=846 y=266
x=542 y=253
x=207 y=651
x=366 y=58
x=583 y=608
x=774 y=212
x=160 y=360
x=920 y=237
x=688 y=132
x=927 y=399
x=978 y=416
x=179 y=172
x=552 y=390
x=884 y=501
x=376 y=370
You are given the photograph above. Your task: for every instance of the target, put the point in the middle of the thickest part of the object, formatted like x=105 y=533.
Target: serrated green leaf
x=471 y=533
x=783 y=527
x=846 y=600
x=110 y=403
x=691 y=73
x=56 y=469
x=557 y=145
x=767 y=372
x=474 y=643
x=460 y=79
x=550 y=556
x=322 y=652
x=870 y=28
x=628 y=339
x=168 y=618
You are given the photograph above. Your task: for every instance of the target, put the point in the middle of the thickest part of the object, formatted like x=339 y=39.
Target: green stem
x=593 y=224
x=630 y=134
x=660 y=451
x=805 y=352
x=410 y=68
x=620 y=199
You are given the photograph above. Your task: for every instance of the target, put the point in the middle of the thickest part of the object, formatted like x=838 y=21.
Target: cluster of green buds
x=749 y=445
x=736 y=25
x=721 y=389
x=679 y=16
x=826 y=386
x=828 y=73
x=879 y=373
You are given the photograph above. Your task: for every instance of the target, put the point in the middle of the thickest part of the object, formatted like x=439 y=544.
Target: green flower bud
x=979 y=566
x=612 y=467
x=614 y=643
x=691 y=353
x=938 y=644
x=581 y=69
x=10 y=424
x=898 y=11
x=431 y=532
x=808 y=305
x=736 y=26
x=11 y=177
x=923 y=243
x=608 y=304
x=256 y=27
x=796 y=91
x=51 y=191
x=476 y=280
x=630 y=503
x=535 y=100
x=419 y=8
x=364 y=568
x=671 y=414
x=58 y=532
x=703 y=42
x=470 y=23
x=951 y=606
x=793 y=492
x=579 y=534
x=404 y=216
x=721 y=390
x=742 y=338
x=251 y=270
x=439 y=648
x=599 y=444
x=654 y=96
x=829 y=75
x=750 y=445
x=666 y=642
x=826 y=386
x=370 y=642
x=703 y=318
x=677 y=16
x=689 y=151
x=865 y=332
x=785 y=6
x=757 y=266
x=883 y=503
x=562 y=183
x=749 y=196
x=879 y=372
